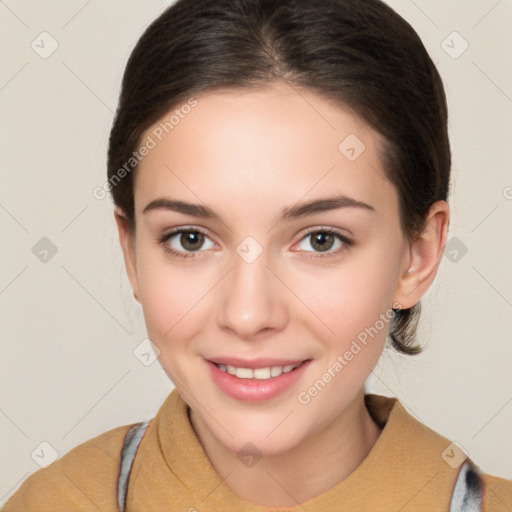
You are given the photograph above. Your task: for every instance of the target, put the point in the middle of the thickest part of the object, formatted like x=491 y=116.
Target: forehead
x=278 y=143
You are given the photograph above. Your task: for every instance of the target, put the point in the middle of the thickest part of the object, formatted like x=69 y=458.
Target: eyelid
x=179 y=229
x=328 y=229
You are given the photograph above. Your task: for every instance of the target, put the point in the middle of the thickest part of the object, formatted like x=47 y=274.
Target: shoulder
x=84 y=477
x=497 y=493
x=456 y=476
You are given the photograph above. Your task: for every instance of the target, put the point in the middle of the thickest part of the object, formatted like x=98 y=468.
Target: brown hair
x=360 y=53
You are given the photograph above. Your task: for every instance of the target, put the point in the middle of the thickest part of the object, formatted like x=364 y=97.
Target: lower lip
x=254 y=390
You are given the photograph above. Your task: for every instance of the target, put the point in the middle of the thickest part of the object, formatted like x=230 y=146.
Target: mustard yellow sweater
x=407 y=470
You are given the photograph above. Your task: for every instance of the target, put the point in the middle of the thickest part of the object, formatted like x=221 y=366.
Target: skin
x=247 y=154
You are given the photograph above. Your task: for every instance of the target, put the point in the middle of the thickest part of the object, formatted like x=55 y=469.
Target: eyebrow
x=288 y=213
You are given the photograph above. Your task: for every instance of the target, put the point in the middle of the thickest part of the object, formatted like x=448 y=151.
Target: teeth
x=257 y=373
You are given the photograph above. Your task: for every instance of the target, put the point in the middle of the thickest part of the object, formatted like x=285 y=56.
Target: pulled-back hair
x=360 y=53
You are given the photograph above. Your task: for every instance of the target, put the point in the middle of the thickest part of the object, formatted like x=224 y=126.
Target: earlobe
x=425 y=254
x=127 y=242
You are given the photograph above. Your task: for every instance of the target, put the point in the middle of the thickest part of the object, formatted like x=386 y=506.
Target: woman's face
x=255 y=284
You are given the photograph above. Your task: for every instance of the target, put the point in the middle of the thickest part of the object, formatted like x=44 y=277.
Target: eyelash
x=162 y=240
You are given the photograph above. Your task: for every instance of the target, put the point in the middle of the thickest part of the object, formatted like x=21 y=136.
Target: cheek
x=168 y=294
x=352 y=296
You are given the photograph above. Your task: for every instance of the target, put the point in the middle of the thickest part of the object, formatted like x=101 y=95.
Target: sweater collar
x=393 y=460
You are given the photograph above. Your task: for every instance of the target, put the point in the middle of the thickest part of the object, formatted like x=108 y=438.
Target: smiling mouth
x=263 y=373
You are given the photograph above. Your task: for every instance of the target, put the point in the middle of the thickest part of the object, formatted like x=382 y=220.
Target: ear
x=424 y=256
x=127 y=241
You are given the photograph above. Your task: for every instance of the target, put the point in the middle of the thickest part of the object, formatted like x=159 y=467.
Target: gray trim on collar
x=131 y=443
x=468 y=489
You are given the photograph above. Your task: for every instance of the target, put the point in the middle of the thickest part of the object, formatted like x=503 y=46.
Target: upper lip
x=261 y=362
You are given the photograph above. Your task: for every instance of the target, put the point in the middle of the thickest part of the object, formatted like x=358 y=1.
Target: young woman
x=280 y=172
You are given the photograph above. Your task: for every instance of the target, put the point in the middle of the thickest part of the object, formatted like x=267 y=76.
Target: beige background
x=69 y=325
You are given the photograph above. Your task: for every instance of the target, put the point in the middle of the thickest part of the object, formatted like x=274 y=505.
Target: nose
x=252 y=299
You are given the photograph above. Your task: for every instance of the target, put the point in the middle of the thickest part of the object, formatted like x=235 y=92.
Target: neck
x=319 y=463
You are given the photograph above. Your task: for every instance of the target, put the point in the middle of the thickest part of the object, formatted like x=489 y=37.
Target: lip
x=261 y=362
x=255 y=390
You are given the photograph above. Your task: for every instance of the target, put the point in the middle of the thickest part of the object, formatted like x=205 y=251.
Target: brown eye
x=191 y=240
x=185 y=242
x=323 y=240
